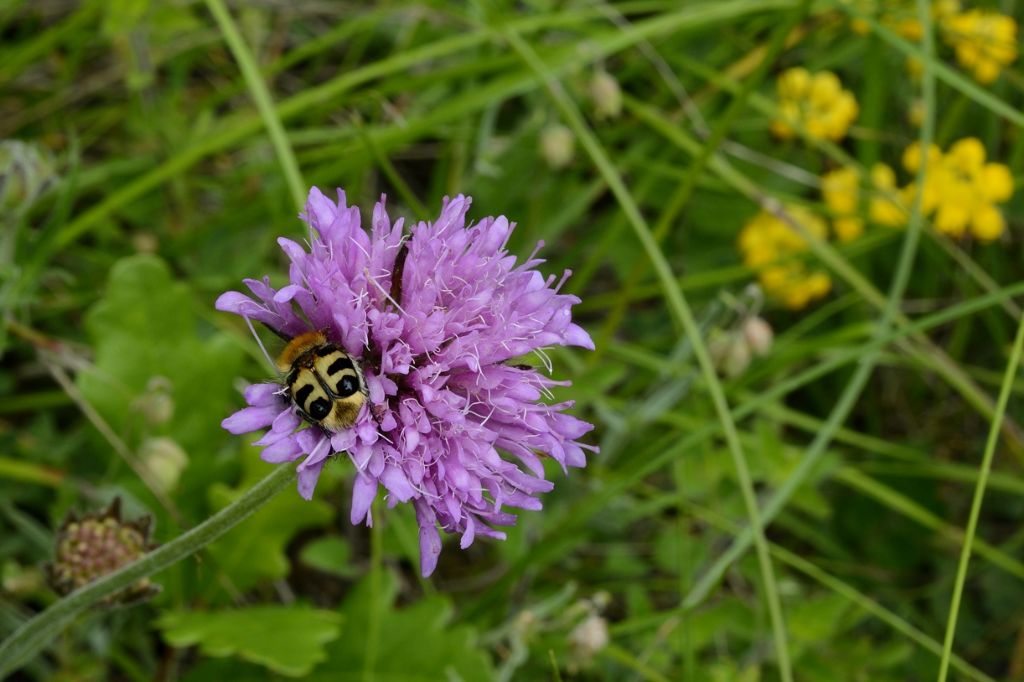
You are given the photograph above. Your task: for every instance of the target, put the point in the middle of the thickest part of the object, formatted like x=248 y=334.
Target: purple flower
x=450 y=425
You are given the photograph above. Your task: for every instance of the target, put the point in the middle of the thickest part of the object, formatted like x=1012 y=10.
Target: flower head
x=900 y=16
x=771 y=246
x=961 y=189
x=435 y=321
x=817 y=103
x=96 y=544
x=842 y=194
x=984 y=42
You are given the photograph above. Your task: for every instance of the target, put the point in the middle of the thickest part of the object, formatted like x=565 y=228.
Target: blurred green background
x=142 y=174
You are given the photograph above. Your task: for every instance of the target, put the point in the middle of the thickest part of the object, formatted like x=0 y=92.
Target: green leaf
x=329 y=554
x=145 y=333
x=256 y=550
x=416 y=643
x=287 y=639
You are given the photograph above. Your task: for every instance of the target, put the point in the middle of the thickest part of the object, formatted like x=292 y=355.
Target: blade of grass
x=849 y=592
x=683 y=316
x=617 y=653
x=672 y=446
x=979 y=495
x=261 y=96
x=769 y=108
x=927 y=58
x=928 y=354
x=902 y=504
x=238 y=127
x=851 y=393
x=29 y=472
x=684 y=191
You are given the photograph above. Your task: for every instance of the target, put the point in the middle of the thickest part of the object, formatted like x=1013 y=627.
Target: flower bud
x=97 y=544
x=557 y=145
x=589 y=637
x=165 y=460
x=606 y=94
x=738 y=358
x=758 y=334
x=729 y=352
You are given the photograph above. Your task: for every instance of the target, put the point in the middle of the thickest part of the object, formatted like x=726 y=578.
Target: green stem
x=31 y=637
x=979 y=494
x=373 y=624
x=683 y=316
x=848 y=398
x=261 y=96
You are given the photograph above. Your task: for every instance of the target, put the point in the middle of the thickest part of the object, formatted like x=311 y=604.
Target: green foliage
x=289 y=640
x=255 y=551
x=151 y=176
x=144 y=334
x=331 y=555
x=415 y=643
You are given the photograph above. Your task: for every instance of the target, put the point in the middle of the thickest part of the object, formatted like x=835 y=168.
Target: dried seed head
x=97 y=544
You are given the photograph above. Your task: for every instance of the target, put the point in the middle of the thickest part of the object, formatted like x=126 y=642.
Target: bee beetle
x=323 y=382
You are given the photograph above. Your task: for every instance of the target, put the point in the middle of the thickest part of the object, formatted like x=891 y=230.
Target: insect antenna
x=259 y=341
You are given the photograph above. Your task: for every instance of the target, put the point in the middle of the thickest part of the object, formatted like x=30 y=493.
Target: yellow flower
x=984 y=42
x=886 y=206
x=961 y=189
x=901 y=17
x=841 y=191
x=777 y=251
x=817 y=103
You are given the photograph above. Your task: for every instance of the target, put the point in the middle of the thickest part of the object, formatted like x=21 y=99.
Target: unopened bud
x=589 y=637
x=606 y=94
x=557 y=145
x=729 y=352
x=738 y=359
x=759 y=335
x=165 y=460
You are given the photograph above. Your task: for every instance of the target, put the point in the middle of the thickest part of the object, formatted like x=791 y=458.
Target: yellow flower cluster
x=817 y=103
x=984 y=42
x=960 y=189
x=842 y=194
x=899 y=17
x=777 y=252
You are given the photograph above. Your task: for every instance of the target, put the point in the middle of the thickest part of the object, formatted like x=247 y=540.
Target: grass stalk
x=683 y=316
x=261 y=96
x=979 y=495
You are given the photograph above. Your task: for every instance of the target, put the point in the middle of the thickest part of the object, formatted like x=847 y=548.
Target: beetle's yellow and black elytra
x=324 y=383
